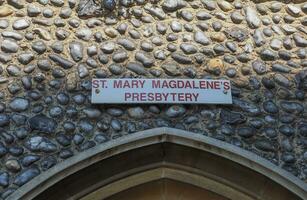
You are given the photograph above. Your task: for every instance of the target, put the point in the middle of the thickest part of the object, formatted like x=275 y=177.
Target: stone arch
x=164 y=153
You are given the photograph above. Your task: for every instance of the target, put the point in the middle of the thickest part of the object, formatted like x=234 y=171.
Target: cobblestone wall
x=51 y=49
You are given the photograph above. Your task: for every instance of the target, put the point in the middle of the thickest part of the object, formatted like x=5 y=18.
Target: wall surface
x=51 y=49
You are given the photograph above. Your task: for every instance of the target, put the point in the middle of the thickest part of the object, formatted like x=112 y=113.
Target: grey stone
x=246 y=106
x=176 y=26
x=156 y=12
x=301 y=79
x=302 y=128
x=259 y=37
x=85 y=125
x=63 y=62
x=69 y=126
x=57 y=3
x=115 y=112
x=276 y=44
x=136 y=112
x=43 y=124
x=282 y=80
x=136 y=68
x=12 y=34
x=56 y=112
x=116 y=69
x=270 y=107
x=82 y=70
x=265 y=145
x=18 y=119
x=57 y=47
x=19 y=4
x=62 y=98
x=19 y=104
x=288 y=29
x=13 y=70
x=181 y=58
x=175 y=111
x=236 y=17
x=63 y=139
x=33 y=10
x=7 y=192
x=28 y=160
x=76 y=51
x=3 y=150
x=252 y=17
x=44 y=64
x=39 y=46
x=288 y=158
x=291 y=107
x=224 y=5
x=209 y=4
x=173 y=5
x=26 y=176
x=201 y=38
x=120 y=56
x=300 y=41
x=4 y=179
x=232 y=117
x=231 y=46
x=277 y=67
x=293 y=10
x=92 y=113
x=66 y=153
x=88 y=8
x=9 y=46
x=171 y=69
x=48 y=162
x=270 y=132
x=127 y=44
x=5 y=57
x=108 y=47
x=4 y=23
x=79 y=99
x=21 y=24
x=146 y=59
x=286 y=130
x=188 y=48
x=12 y=165
x=268 y=55
x=236 y=33
x=87 y=145
x=40 y=144
x=203 y=15
x=25 y=58
x=84 y=34
x=246 y=132
x=116 y=125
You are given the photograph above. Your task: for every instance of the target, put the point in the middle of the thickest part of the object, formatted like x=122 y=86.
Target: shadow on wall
x=164 y=153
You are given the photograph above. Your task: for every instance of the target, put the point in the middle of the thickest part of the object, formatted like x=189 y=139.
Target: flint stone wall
x=51 y=49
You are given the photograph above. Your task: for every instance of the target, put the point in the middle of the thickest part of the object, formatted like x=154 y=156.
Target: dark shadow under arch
x=162 y=153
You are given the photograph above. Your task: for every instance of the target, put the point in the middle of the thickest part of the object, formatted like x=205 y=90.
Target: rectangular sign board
x=168 y=91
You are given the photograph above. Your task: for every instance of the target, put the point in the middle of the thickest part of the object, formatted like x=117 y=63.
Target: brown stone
x=218 y=37
x=215 y=66
x=71 y=81
x=111 y=32
x=5 y=11
x=43 y=33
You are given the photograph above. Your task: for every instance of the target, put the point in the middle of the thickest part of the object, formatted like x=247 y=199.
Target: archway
x=164 y=154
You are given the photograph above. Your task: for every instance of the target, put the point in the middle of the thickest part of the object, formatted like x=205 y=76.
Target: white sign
x=181 y=91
